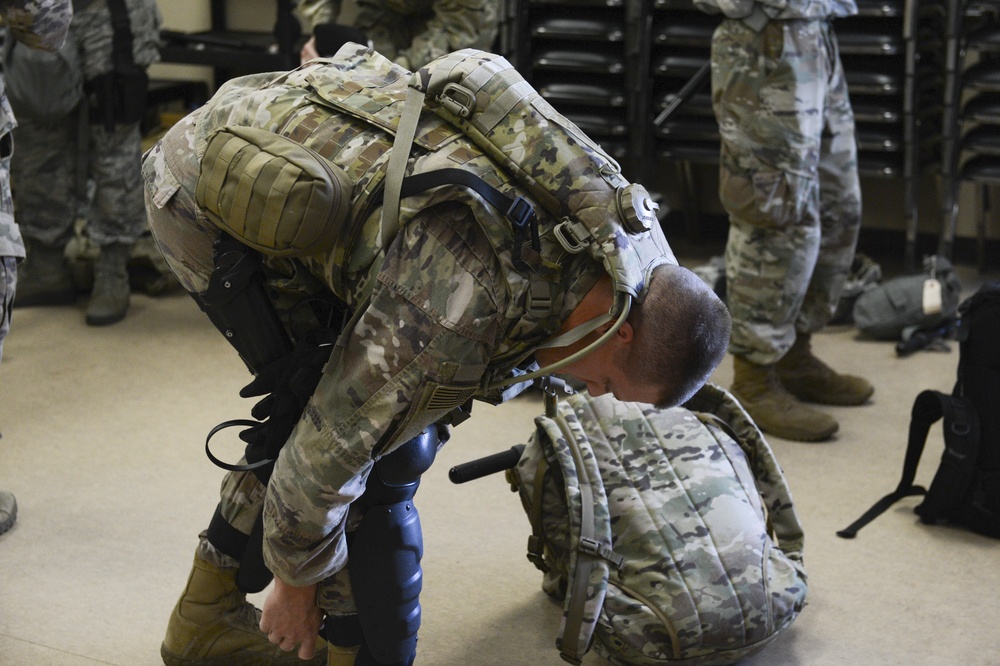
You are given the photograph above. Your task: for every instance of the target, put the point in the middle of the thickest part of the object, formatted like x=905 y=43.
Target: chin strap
x=569 y=338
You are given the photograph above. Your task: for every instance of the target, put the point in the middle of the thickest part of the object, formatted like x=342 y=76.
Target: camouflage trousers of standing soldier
x=186 y=240
x=788 y=180
x=8 y=286
x=50 y=168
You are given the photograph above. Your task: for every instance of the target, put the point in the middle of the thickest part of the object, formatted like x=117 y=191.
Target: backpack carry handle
x=477 y=469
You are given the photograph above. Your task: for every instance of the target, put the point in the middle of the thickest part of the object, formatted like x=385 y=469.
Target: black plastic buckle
x=522 y=218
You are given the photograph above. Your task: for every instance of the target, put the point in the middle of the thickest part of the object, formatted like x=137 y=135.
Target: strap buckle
x=457 y=99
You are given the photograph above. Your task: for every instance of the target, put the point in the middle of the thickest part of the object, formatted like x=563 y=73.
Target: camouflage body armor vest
x=566 y=196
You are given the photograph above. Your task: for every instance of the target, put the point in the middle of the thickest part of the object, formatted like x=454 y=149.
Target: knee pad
x=385 y=552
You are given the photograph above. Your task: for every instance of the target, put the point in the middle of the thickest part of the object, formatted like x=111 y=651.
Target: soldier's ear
x=626 y=333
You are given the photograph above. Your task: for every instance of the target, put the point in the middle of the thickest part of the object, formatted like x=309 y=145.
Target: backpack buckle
x=591 y=547
x=460 y=101
x=535 y=550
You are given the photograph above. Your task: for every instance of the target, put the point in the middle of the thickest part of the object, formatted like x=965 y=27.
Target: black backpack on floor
x=966 y=488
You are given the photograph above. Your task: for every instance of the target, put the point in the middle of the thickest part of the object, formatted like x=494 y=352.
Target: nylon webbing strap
x=584 y=560
x=275 y=203
x=397 y=162
x=927 y=410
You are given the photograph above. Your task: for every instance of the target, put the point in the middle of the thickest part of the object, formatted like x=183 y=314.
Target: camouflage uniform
x=45 y=167
x=414 y=32
x=446 y=308
x=788 y=173
x=40 y=24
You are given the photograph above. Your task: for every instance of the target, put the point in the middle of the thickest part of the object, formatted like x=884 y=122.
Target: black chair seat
x=701 y=152
x=983 y=76
x=985 y=38
x=982 y=139
x=868 y=8
x=577 y=3
x=689 y=129
x=879 y=138
x=880 y=165
x=984 y=107
x=580 y=61
x=560 y=92
x=982 y=168
x=868 y=42
x=598 y=124
x=877 y=109
x=558 y=27
x=699 y=104
x=694 y=31
x=873 y=81
x=679 y=65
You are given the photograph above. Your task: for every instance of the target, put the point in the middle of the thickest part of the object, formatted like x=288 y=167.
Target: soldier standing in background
x=45 y=167
x=788 y=179
x=410 y=32
x=40 y=24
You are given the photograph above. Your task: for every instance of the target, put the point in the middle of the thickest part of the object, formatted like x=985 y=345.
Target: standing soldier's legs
x=800 y=371
x=44 y=173
x=212 y=622
x=769 y=95
x=117 y=217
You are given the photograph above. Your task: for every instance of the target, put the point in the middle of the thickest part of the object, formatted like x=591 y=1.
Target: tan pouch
x=274 y=194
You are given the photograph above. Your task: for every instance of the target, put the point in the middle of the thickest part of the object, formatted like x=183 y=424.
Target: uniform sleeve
x=417 y=352
x=41 y=24
x=318 y=11
x=457 y=24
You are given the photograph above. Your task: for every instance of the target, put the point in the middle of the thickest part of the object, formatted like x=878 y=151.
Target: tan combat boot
x=773 y=408
x=337 y=655
x=808 y=378
x=214 y=625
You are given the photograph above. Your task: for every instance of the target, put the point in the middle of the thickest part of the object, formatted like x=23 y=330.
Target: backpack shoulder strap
x=590 y=556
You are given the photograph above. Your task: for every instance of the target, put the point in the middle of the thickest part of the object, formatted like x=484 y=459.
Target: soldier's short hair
x=681 y=334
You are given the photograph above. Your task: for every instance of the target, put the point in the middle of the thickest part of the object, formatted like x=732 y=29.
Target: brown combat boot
x=773 y=408
x=214 y=625
x=808 y=378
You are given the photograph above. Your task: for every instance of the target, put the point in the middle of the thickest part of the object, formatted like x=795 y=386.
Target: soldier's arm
x=457 y=24
x=41 y=24
x=431 y=322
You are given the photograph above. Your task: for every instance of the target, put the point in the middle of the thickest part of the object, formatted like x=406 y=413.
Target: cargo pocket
x=768 y=197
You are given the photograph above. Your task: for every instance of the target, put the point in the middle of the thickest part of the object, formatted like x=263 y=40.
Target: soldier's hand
x=290 y=618
x=309 y=50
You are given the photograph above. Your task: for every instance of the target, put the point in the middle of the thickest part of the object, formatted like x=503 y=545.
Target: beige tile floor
x=102 y=444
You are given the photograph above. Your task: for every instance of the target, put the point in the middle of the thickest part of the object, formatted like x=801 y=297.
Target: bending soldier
x=477 y=288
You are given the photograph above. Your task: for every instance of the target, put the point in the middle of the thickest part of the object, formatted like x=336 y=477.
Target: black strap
x=121 y=38
x=926 y=411
x=517 y=210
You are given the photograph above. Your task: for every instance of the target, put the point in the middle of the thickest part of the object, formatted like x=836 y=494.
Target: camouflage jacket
x=757 y=12
x=433 y=27
x=40 y=24
x=446 y=307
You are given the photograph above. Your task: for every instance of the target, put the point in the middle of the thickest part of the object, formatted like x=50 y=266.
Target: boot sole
x=171 y=659
x=821 y=400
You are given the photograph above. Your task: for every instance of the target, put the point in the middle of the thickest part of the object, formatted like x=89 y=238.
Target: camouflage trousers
x=788 y=180
x=8 y=287
x=48 y=167
x=186 y=238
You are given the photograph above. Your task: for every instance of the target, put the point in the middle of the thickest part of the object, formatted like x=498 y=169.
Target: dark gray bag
x=884 y=311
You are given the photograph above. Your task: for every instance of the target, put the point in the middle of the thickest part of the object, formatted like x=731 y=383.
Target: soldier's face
x=604 y=370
